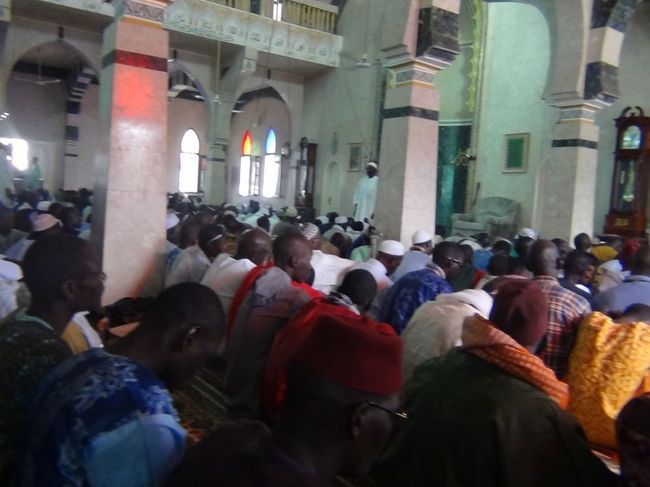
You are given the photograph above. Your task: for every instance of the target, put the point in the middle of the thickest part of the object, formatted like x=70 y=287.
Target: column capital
x=578 y=111
x=148 y=11
x=218 y=150
x=412 y=71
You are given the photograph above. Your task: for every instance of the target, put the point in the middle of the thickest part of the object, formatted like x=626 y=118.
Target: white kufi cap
x=171 y=220
x=392 y=247
x=44 y=221
x=420 y=237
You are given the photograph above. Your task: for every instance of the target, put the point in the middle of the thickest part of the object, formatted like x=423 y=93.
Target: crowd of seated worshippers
x=456 y=362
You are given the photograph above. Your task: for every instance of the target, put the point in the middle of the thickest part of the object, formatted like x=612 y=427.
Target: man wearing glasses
x=418 y=287
x=339 y=412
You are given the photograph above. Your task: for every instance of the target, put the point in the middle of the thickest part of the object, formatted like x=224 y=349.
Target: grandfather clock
x=627 y=211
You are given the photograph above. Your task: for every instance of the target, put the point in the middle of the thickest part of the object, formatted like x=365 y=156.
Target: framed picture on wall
x=516 y=153
x=355 y=157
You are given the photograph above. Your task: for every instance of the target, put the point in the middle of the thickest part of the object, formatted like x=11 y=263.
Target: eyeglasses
x=455 y=261
x=400 y=415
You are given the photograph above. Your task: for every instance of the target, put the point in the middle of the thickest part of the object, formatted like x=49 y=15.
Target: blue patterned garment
x=102 y=420
x=412 y=290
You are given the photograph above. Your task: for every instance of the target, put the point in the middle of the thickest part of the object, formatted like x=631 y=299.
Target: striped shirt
x=565 y=311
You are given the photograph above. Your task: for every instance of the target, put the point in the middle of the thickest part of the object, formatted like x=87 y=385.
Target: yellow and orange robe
x=609 y=365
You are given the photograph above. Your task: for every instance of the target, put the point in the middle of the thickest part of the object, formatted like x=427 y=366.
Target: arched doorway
x=52 y=101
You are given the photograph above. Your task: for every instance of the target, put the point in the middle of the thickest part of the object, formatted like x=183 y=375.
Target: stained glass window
x=272 y=168
x=270 y=144
x=246 y=144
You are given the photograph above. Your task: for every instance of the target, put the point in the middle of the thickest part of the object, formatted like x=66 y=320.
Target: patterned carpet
x=201 y=405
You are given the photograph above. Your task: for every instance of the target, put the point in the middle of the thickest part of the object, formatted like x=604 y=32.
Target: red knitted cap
x=357 y=354
x=520 y=309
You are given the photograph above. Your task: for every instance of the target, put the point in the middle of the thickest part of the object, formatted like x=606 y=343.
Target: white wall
x=346 y=102
x=634 y=73
x=518 y=54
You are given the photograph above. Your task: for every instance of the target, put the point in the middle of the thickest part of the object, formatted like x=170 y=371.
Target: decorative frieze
x=212 y=21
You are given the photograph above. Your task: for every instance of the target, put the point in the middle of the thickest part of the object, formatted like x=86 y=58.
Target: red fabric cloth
x=357 y=354
x=478 y=275
x=308 y=289
x=246 y=285
x=287 y=342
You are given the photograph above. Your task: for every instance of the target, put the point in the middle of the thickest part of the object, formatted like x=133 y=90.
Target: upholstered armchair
x=495 y=215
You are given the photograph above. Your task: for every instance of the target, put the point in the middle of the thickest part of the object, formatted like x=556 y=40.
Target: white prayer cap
x=230 y=213
x=43 y=222
x=171 y=220
x=421 y=237
x=341 y=220
x=372 y=164
x=25 y=206
x=309 y=231
x=472 y=243
x=291 y=212
x=43 y=205
x=437 y=239
x=10 y=271
x=527 y=232
x=392 y=247
x=323 y=219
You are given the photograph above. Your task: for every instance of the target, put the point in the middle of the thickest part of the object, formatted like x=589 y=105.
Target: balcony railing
x=306 y=13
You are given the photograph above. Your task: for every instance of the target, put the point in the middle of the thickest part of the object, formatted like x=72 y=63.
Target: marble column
x=423 y=42
x=406 y=199
x=131 y=176
x=569 y=180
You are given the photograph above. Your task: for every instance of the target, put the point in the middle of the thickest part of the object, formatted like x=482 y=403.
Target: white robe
x=190 y=266
x=365 y=197
x=225 y=276
x=329 y=271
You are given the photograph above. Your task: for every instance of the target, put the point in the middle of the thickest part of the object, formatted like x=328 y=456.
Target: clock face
x=631 y=138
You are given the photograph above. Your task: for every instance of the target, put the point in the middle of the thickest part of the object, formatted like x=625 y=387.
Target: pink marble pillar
x=130 y=188
x=406 y=198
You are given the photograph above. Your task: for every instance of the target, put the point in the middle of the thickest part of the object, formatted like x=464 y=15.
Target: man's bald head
x=292 y=254
x=542 y=259
x=255 y=245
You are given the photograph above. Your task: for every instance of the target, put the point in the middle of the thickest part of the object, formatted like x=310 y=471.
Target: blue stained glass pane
x=270 y=142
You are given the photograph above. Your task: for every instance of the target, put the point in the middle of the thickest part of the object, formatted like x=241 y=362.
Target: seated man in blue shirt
x=424 y=285
x=634 y=290
x=104 y=419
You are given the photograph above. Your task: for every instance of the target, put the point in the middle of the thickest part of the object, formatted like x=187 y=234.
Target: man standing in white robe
x=365 y=196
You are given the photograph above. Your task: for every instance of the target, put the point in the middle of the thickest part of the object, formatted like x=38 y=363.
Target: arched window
x=188 y=176
x=249 y=168
x=272 y=168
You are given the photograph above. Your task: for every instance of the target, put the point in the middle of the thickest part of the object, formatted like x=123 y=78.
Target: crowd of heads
x=340 y=352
